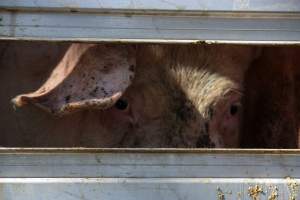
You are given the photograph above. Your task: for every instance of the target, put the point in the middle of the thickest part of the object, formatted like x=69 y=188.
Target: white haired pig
x=135 y=96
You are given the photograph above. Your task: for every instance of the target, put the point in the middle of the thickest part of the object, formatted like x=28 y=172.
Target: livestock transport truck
x=30 y=170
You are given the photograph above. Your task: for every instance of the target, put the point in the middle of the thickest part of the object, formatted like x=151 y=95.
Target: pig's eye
x=234 y=109
x=121 y=104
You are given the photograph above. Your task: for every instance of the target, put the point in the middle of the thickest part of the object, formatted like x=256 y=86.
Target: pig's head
x=152 y=96
x=205 y=90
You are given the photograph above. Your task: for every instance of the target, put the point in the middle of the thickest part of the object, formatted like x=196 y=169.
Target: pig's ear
x=88 y=77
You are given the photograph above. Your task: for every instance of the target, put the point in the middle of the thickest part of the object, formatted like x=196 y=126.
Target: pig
x=271 y=104
x=108 y=95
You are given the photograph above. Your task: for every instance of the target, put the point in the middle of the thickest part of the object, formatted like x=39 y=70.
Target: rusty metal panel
x=174 y=21
x=149 y=174
x=148 y=189
x=148 y=164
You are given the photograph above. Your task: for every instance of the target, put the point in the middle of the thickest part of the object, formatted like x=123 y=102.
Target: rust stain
x=239 y=196
x=220 y=194
x=293 y=187
x=255 y=192
x=273 y=193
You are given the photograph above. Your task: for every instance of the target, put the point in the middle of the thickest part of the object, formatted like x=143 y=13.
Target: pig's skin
x=200 y=83
x=180 y=97
x=272 y=106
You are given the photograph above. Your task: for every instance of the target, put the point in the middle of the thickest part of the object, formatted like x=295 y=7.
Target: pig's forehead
x=206 y=89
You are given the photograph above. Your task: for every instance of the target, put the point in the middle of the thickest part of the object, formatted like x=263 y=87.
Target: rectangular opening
x=156 y=100
x=138 y=95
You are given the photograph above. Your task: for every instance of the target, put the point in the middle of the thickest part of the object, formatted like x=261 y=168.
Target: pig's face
x=195 y=92
x=152 y=96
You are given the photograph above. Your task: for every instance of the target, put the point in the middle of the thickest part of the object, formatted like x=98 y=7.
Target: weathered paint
x=136 y=188
x=149 y=174
x=157 y=5
x=161 y=21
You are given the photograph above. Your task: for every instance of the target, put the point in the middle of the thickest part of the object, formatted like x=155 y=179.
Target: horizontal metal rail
x=148 y=174
x=172 y=21
x=175 y=6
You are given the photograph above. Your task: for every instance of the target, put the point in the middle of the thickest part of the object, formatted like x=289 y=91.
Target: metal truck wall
x=149 y=174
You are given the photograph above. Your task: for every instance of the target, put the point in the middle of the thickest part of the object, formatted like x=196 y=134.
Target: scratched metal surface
x=223 y=21
x=71 y=174
x=159 y=5
x=150 y=174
